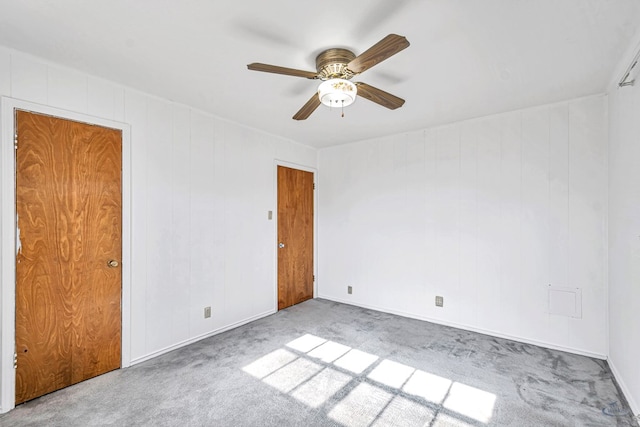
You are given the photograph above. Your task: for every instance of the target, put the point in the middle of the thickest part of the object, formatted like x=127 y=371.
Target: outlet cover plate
x=439 y=301
x=207 y=312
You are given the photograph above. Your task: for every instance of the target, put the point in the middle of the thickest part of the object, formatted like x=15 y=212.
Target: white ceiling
x=468 y=58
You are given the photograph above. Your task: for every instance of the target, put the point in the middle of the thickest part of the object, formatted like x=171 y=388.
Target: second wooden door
x=295 y=236
x=68 y=276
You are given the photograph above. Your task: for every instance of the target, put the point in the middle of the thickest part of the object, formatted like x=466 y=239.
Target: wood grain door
x=69 y=206
x=295 y=236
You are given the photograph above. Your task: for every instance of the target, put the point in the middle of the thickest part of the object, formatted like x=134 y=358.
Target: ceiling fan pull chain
x=343 y=108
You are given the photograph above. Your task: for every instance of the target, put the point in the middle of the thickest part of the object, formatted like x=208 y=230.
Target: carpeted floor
x=322 y=363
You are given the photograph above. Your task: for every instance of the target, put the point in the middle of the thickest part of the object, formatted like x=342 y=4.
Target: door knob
x=112 y=263
x=281 y=245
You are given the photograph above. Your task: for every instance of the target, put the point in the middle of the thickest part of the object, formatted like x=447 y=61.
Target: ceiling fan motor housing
x=332 y=64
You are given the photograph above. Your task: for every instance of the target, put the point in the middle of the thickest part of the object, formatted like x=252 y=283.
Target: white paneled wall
x=201 y=189
x=624 y=240
x=486 y=213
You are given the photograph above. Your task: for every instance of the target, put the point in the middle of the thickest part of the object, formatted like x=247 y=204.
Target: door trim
x=314 y=171
x=8 y=233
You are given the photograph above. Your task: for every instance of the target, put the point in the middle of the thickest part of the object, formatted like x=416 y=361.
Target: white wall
x=201 y=189
x=624 y=240
x=486 y=213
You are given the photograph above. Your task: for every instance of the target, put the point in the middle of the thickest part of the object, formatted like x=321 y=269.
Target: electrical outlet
x=349 y=290
x=439 y=301
x=207 y=312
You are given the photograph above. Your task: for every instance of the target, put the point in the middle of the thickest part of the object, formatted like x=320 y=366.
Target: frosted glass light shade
x=337 y=92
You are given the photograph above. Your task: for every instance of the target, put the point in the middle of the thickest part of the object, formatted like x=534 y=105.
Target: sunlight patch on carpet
x=292 y=375
x=360 y=389
x=471 y=402
x=315 y=392
x=360 y=407
x=356 y=361
x=269 y=363
x=404 y=412
x=306 y=343
x=390 y=373
x=329 y=351
x=427 y=386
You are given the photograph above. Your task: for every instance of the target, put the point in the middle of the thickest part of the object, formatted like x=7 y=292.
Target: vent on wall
x=565 y=301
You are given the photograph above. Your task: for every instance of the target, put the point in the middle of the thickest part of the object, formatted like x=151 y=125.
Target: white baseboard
x=200 y=337
x=465 y=327
x=633 y=405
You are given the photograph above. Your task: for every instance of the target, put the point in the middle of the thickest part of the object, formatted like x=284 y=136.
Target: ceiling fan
x=336 y=67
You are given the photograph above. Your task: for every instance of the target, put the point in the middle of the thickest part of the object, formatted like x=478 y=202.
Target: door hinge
x=314 y=184
x=314 y=277
x=15 y=360
x=15 y=141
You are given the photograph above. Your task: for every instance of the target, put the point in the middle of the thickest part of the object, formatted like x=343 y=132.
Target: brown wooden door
x=68 y=201
x=295 y=232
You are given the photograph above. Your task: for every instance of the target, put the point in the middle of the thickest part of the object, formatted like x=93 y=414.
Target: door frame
x=8 y=222
x=275 y=225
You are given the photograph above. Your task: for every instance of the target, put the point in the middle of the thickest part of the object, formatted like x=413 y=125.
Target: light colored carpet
x=322 y=363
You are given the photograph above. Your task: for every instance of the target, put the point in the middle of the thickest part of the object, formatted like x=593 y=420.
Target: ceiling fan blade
x=256 y=66
x=377 y=53
x=308 y=108
x=379 y=96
